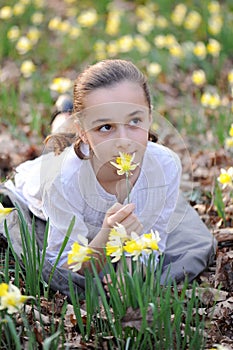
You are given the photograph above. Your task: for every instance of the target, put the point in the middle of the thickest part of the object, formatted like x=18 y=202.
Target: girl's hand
x=123 y=214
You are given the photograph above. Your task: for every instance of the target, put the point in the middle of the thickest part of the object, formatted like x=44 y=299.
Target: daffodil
x=134 y=248
x=199 y=50
x=23 y=45
x=147 y=243
x=118 y=232
x=226 y=177
x=114 y=249
x=13 y=33
x=230 y=77
x=4 y=212
x=231 y=130
x=88 y=18
x=153 y=69
x=198 y=77
x=151 y=240
x=124 y=164
x=117 y=237
x=60 y=85
x=192 y=21
x=213 y=47
x=6 y=12
x=210 y=100
x=229 y=143
x=178 y=14
x=79 y=254
x=113 y=22
x=18 y=9
x=27 y=68
x=11 y=298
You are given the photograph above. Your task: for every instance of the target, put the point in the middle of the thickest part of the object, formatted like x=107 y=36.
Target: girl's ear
x=81 y=132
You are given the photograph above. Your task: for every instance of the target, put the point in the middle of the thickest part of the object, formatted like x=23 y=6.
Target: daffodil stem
x=127 y=185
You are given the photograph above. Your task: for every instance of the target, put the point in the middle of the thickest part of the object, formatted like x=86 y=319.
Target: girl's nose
x=122 y=138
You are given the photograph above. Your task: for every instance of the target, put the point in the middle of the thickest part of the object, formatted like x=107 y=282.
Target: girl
x=112 y=112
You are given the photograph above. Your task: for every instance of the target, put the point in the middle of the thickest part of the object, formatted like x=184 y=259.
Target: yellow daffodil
x=23 y=45
x=151 y=240
x=215 y=24
x=37 y=18
x=229 y=143
x=74 y=32
x=231 y=130
x=115 y=250
x=79 y=254
x=192 y=21
x=230 y=77
x=113 y=22
x=176 y=50
x=198 y=77
x=124 y=163
x=210 y=100
x=226 y=177
x=160 y=41
x=118 y=232
x=214 y=7
x=161 y=22
x=11 y=298
x=145 y=27
x=27 y=68
x=153 y=69
x=134 y=247
x=112 y=48
x=18 y=9
x=141 y=44
x=178 y=14
x=4 y=212
x=6 y=12
x=13 y=33
x=114 y=246
x=88 y=18
x=125 y=43
x=199 y=50
x=54 y=23
x=33 y=35
x=213 y=47
x=60 y=85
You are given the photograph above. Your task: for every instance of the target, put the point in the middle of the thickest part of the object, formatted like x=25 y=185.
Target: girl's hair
x=106 y=74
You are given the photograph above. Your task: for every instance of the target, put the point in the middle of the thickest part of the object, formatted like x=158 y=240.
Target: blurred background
x=184 y=48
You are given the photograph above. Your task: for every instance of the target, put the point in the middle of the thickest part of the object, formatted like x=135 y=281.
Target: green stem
x=127 y=185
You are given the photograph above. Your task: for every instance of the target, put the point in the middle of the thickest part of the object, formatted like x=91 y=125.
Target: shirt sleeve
x=60 y=213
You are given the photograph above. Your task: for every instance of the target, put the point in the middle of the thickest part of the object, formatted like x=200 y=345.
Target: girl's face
x=116 y=119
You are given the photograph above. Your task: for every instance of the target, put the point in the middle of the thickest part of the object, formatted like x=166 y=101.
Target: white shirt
x=65 y=186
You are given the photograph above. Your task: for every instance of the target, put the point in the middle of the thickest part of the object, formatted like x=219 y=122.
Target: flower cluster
x=11 y=298
x=120 y=243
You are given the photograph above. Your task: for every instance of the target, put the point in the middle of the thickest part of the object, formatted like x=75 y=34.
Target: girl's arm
x=118 y=213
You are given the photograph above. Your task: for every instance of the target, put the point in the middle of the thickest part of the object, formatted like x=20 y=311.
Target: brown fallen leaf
x=224 y=271
x=133 y=318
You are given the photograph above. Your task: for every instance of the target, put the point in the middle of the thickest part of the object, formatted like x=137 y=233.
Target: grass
x=137 y=312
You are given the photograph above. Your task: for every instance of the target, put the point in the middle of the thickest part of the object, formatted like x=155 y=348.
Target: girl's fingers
x=120 y=215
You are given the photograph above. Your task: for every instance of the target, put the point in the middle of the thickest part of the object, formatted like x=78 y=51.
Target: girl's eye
x=135 y=122
x=104 y=128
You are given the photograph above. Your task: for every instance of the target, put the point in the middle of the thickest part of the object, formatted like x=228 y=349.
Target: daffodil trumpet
x=124 y=164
